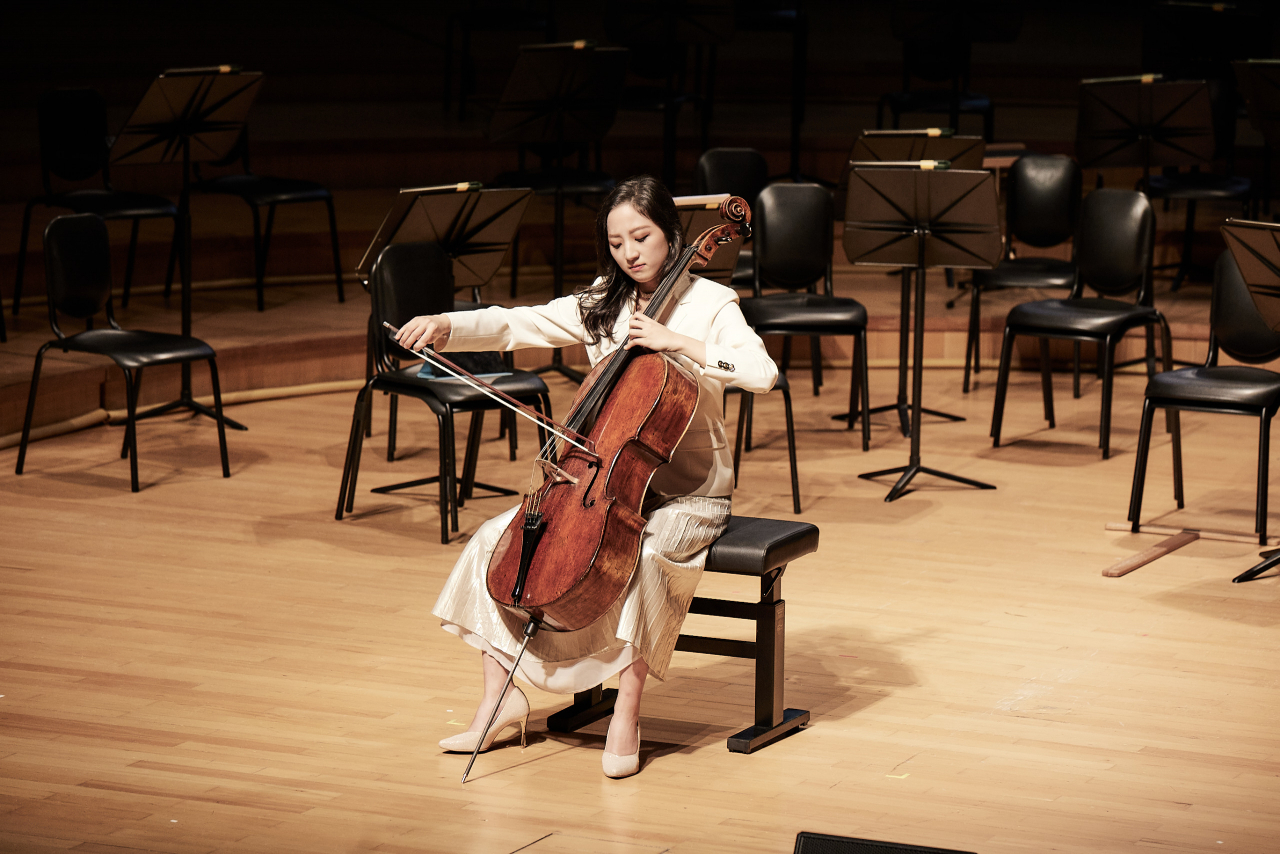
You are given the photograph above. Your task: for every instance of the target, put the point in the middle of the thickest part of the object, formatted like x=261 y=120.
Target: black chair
x=746 y=410
x=78 y=279
x=411 y=279
x=259 y=191
x=792 y=229
x=1238 y=330
x=1041 y=209
x=945 y=61
x=1113 y=256
x=73 y=147
x=739 y=172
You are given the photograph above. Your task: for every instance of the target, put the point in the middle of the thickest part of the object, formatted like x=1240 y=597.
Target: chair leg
x=392 y=421
x=1075 y=369
x=217 y=408
x=258 y=253
x=31 y=408
x=22 y=256
x=1140 y=465
x=173 y=260
x=131 y=428
x=443 y=421
x=791 y=450
x=1002 y=385
x=355 y=441
x=751 y=411
x=451 y=447
x=786 y=353
x=507 y=422
x=1175 y=427
x=262 y=264
x=1046 y=382
x=1108 y=380
x=815 y=362
x=1264 y=445
x=974 y=335
x=469 y=457
x=337 y=255
x=128 y=264
x=861 y=361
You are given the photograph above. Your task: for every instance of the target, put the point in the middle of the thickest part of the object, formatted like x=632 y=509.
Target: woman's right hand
x=423 y=330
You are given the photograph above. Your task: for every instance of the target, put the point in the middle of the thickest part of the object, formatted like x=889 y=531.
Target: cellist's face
x=637 y=245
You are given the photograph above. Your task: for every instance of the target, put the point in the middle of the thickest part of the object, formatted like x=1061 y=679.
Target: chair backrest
x=1113 y=243
x=792 y=230
x=407 y=280
x=738 y=171
x=1044 y=199
x=73 y=134
x=1238 y=326
x=77 y=264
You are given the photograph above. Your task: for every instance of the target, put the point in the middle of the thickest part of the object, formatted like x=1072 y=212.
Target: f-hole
x=595 y=472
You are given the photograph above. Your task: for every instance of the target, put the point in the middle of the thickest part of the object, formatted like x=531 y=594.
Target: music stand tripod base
x=910 y=471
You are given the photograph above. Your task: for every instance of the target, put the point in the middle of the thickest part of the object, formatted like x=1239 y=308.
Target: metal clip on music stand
x=921 y=218
x=188 y=115
x=1256 y=249
x=907 y=146
x=560 y=97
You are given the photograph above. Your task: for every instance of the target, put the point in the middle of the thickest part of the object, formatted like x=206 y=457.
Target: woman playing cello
x=638 y=240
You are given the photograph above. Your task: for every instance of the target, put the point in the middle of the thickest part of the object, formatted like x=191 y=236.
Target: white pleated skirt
x=643 y=623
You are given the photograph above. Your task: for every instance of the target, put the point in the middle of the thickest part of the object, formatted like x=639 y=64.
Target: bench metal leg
x=588 y=707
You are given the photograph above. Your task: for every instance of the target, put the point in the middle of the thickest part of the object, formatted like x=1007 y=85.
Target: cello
x=570 y=551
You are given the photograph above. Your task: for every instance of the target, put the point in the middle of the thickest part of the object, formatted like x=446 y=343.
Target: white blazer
x=703 y=462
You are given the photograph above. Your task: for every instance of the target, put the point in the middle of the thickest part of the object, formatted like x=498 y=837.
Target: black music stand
x=472 y=225
x=907 y=147
x=1256 y=249
x=560 y=98
x=921 y=218
x=1144 y=121
x=697 y=214
x=187 y=115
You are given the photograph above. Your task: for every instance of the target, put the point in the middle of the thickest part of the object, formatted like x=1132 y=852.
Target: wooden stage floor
x=217 y=665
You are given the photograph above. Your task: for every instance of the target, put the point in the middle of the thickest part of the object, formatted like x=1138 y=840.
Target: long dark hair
x=601 y=303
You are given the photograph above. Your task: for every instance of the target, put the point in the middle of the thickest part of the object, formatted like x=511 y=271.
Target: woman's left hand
x=644 y=331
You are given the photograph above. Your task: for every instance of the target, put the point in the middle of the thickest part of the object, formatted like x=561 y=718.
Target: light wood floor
x=218 y=665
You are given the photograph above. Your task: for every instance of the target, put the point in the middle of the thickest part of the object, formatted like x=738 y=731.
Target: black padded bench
x=761 y=548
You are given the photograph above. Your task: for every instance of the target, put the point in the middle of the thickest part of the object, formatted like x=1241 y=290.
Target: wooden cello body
x=570 y=551
x=591 y=541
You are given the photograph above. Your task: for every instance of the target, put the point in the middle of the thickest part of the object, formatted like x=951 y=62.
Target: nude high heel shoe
x=514 y=711
x=616 y=766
